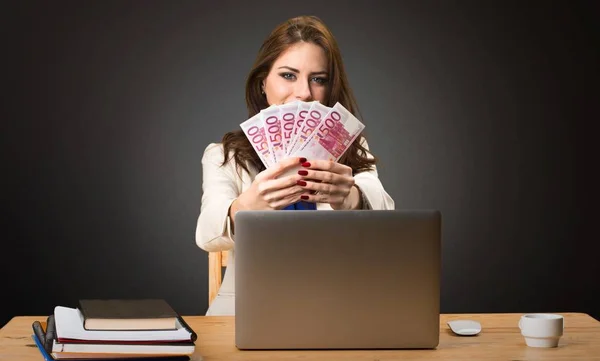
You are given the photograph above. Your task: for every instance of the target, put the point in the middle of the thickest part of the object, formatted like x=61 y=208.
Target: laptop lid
x=337 y=279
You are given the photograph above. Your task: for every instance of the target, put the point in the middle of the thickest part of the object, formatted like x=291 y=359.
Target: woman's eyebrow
x=298 y=71
x=289 y=68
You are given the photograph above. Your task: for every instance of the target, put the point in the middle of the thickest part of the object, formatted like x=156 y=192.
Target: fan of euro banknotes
x=302 y=129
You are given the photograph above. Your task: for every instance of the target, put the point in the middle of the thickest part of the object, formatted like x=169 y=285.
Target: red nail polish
x=302 y=160
x=302 y=172
x=301 y=183
x=304 y=197
x=306 y=164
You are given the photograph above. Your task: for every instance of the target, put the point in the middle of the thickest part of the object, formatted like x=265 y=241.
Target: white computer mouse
x=465 y=327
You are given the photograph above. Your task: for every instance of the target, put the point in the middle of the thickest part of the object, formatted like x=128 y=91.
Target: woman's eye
x=288 y=76
x=320 y=81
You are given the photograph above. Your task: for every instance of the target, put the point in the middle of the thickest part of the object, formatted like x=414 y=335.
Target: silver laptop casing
x=337 y=279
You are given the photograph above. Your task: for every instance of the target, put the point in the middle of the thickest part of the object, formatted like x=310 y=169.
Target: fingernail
x=306 y=164
x=301 y=183
x=302 y=160
x=303 y=172
x=304 y=197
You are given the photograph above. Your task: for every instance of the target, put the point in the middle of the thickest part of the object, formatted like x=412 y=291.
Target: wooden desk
x=500 y=339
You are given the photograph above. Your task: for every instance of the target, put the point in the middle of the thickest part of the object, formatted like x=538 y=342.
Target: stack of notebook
x=115 y=329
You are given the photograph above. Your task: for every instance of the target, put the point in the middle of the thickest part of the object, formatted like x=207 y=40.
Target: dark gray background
x=474 y=108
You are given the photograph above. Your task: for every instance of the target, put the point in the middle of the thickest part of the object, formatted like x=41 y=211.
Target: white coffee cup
x=541 y=329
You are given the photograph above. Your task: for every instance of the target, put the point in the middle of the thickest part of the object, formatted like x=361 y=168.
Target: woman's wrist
x=359 y=198
x=354 y=199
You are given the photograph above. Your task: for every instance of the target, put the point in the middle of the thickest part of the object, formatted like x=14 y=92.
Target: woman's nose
x=302 y=91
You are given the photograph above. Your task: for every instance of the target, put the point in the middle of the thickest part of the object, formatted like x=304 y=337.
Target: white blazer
x=221 y=185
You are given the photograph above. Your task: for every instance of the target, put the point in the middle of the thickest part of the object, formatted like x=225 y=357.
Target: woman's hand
x=268 y=192
x=329 y=182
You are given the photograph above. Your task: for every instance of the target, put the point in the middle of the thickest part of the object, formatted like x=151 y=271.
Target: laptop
x=337 y=279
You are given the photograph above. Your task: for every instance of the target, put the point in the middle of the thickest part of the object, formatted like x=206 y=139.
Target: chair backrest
x=216 y=262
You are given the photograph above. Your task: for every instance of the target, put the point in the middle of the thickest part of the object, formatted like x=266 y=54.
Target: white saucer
x=465 y=327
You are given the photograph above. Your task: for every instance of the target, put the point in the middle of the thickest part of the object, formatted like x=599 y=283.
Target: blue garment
x=301 y=206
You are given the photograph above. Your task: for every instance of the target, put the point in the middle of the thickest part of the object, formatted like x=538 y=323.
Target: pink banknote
x=301 y=113
x=255 y=132
x=314 y=116
x=332 y=136
x=287 y=118
x=272 y=124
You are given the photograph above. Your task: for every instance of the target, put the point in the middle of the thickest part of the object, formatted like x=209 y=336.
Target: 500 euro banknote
x=299 y=117
x=287 y=118
x=332 y=136
x=314 y=116
x=271 y=121
x=255 y=132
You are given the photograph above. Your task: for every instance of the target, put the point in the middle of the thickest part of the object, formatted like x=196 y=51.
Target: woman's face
x=300 y=73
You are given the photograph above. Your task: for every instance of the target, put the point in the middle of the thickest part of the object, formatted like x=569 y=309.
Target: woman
x=300 y=60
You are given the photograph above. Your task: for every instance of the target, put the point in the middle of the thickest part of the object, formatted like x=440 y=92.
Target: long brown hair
x=307 y=29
